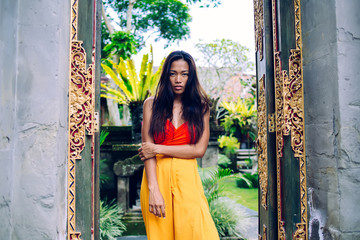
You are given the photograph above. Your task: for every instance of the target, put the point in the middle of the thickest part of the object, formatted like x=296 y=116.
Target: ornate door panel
x=83 y=154
x=281 y=140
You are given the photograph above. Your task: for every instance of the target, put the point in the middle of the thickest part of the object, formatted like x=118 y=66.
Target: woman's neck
x=177 y=98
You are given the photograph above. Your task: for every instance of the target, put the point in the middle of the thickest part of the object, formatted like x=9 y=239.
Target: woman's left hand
x=147 y=150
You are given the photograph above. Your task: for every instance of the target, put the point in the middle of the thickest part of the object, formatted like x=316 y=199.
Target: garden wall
x=34 y=73
x=331 y=43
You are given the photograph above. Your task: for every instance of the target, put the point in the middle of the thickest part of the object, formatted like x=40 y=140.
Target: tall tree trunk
x=114 y=116
x=129 y=15
x=107 y=21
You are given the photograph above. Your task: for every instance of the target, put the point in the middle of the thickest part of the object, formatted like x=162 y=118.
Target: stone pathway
x=132 y=238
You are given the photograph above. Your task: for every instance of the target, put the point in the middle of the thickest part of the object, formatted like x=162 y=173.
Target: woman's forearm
x=150 y=169
x=181 y=151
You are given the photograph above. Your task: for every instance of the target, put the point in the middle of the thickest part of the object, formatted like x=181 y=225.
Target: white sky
x=233 y=19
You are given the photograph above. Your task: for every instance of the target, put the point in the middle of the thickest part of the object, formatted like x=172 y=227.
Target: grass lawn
x=247 y=197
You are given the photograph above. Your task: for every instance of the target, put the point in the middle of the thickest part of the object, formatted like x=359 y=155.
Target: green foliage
x=224 y=218
x=248 y=180
x=104 y=178
x=133 y=87
x=240 y=118
x=214 y=181
x=211 y=179
x=166 y=20
x=111 y=224
x=103 y=136
x=229 y=144
x=122 y=44
x=223 y=161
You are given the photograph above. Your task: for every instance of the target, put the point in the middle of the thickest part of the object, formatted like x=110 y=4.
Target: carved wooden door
x=281 y=140
x=83 y=145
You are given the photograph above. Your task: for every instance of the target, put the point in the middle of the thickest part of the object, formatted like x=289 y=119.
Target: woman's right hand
x=156 y=203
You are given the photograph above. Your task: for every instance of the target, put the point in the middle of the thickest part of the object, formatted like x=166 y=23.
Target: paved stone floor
x=132 y=238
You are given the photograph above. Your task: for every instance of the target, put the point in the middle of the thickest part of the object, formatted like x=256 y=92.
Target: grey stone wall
x=331 y=43
x=34 y=73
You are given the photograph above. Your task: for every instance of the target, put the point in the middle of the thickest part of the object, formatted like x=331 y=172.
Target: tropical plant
x=122 y=44
x=240 y=119
x=103 y=136
x=224 y=218
x=229 y=144
x=133 y=87
x=211 y=178
x=111 y=224
x=221 y=208
x=103 y=165
x=223 y=161
x=240 y=111
x=248 y=180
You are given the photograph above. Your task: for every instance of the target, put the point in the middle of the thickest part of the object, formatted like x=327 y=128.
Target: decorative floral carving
x=279 y=138
x=81 y=113
x=298 y=38
x=264 y=235
x=300 y=233
x=259 y=26
x=262 y=142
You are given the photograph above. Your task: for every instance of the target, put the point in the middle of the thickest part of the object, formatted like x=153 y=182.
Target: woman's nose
x=177 y=78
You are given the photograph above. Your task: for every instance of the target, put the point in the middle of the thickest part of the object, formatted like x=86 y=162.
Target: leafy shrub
x=224 y=218
x=221 y=211
x=223 y=161
x=229 y=144
x=247 y=178
x=111 y=224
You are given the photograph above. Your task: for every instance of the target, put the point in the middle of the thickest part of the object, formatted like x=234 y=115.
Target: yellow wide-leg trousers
x=186 y=208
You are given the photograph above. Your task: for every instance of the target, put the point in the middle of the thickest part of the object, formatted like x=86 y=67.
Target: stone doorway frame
x=287 y=119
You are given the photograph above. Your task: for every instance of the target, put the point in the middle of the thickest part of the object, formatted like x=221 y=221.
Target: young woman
x=175 y=131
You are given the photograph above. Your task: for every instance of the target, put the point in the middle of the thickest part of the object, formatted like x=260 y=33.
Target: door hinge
x=271 y=119
x=96 y=122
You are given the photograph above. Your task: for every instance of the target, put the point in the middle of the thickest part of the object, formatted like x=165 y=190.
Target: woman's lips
x=178 y=87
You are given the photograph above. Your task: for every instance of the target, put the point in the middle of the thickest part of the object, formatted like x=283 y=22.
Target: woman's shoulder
x=149 y=101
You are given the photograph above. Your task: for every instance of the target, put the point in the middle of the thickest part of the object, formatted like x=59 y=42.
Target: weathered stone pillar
x=211 y=155
x=331 y=43
x=34 y=76
x=124 y=169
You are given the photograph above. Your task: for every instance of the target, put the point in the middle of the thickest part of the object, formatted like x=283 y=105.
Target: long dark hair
x=194 y=100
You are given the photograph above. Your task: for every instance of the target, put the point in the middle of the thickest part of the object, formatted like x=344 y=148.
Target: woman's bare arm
x=149 y=149
x=156 y=201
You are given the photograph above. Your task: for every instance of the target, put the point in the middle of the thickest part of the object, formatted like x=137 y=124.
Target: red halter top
x=174 y=136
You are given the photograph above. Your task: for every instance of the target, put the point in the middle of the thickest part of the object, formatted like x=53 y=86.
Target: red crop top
x=174 y=136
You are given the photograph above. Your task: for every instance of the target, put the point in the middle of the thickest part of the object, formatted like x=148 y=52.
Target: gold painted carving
x=271 y=117
x=294 y=100
x=300 y=233
x=74 y=19
x=81 y=114
x=263 y=237
x=298 y=38
x=75 y=236
x=279 y=119
x=262 y=142
x=259 y=26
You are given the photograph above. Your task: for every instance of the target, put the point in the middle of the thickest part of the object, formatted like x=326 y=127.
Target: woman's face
x=179 y=74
